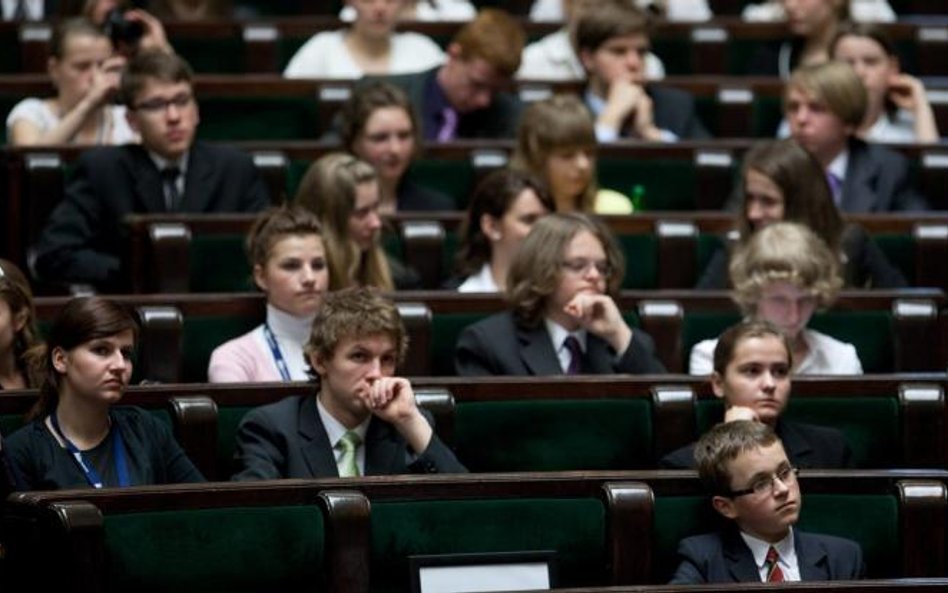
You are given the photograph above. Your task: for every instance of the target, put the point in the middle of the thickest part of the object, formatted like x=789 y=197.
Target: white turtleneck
x=291 y=334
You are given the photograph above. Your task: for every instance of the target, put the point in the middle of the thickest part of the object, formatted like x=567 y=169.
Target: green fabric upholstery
x=453 y=177
x=900 y=249
x=697 y=326
x=870 y=425
x=669 y=184
x=211 y=55
x=218 y=263
x=259 y=118
x=641 y=261
x=445 y=329
x=216 y=550
x=574 y=528
x=844 y=515
x=201 y=335
x=554 y=435
x=228 y=419
x=869 y=331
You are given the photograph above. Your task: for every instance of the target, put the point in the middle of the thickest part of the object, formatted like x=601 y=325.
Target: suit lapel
x=860 y=183
x=811 y=559
x=738 y=558
x=598 y=356
x=537 y=351
x=197 y=191
x=316 y=448
x=381 y=450
x=148 y=188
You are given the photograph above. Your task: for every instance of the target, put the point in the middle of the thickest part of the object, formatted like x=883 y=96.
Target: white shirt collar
x=335 y=430
x=558 y=334
x=162 y=163
x=785 y=549
x=289 y=327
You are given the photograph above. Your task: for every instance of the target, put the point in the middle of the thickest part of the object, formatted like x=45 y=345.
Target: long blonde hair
x=329 y=190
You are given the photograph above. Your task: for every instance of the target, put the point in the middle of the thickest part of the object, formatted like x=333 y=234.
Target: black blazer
x=412 y=197
x=808 y=446
x=497 y=120
x=498 y=346
x=82 y=240
x=877 y=180
x=674 y=110
x=286 y=439
x=723 y=557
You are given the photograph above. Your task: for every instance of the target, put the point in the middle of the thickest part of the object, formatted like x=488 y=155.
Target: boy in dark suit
x=752 y=483
x=752 y=362
x=612 y=43
x=363 y=420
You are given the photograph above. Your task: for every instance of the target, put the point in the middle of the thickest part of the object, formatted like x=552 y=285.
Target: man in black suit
x=463 y=98
x=752 y=363
x=612 y=43
x=168 y=172
x=362 y=421
x=753 y=483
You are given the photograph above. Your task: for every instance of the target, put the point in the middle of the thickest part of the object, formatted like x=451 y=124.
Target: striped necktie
x=774 y=574
x=349 y=443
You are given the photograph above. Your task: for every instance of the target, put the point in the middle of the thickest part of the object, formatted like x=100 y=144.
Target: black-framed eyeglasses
x=581 y=266
x=180 y=101
x=765 y=484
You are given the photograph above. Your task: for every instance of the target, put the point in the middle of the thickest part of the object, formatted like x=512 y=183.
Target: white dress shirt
x=335 y=431
x=786 y=556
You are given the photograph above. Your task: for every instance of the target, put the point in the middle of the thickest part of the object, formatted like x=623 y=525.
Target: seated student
x=752 y=363
x=425 y=11
x=343 y=192
x=563 y=318
x=503 y=208
x=288 y=257
x=556 y=141
x=369 y=46
x=554 y=58
x=17 y=328
x=782 y=181
x=85 y=73
x=611 y=42
x=78 y=436
x=673 y=10
x=861 y=11
x=898 y=110
x=363 y=421
x=824 y=106
x=783 y=274
x=463 y=97
x=378 y=125
x=168 y=172
x=753 y=482
x=810 y=27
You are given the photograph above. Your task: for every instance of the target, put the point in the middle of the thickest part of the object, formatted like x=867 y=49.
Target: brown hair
x=876 y=33
x=153 y=64
x=16 y=293
x=560 y=122
x=355 y=312
x=806 y=194
x=536 y=269
x=274 y=224
x=609 y=18
x=734 y=335
x=82 y=319
x=721 y=445
x=493 y=196
x=328 y=189
x=837 y=85
x=355 y=113
x=495 y=37
x=68 y=28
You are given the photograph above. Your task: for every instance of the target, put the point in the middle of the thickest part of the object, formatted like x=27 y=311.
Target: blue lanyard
x=92 y=476
x=277 y=355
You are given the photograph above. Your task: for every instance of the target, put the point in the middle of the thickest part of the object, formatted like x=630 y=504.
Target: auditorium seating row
x=267 y=107
x=893 y=331
x=505 y=424
x=360 y=534
x=722 y=46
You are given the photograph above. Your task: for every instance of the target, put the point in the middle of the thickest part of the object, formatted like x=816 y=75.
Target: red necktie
x=774 y=574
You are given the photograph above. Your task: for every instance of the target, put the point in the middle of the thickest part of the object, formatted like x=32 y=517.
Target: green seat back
x=259 y=118
x=211 y=55
x=668 y=184
x=218 y=263
x=445 y=329
x=676 y=55
x=575 y=529
x=900 y=251
x=843 y=515
x=699 y=325
x=870 y=425
x=10 y=423
x=228 y=420
x=202 y=334
x=641 y=261
x=248 y=549
x=869 y=331
x=453 y=177
x=554 y=435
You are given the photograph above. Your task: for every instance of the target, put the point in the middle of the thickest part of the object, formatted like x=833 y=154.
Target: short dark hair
x=365 y=100
x=734 y=335
x=275 y=223
x=610 y=18
x=721 y=445
x=156 y=64
x=355 y=312
x=67 y=28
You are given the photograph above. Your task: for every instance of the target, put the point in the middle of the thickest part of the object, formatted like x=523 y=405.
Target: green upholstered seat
x=218 y=263
x=554 y=435
x=668 y=184
x=211 y=55
x=228 y=420
x=259 y=118
x=445 y=329
x=641 y=261
x=575 y=529
x=900 y=250
x=240 y=549
x=202 y=334
x=870 y=425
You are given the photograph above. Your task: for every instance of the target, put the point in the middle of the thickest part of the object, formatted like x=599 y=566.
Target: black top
x=152 y=455
x=412 y=197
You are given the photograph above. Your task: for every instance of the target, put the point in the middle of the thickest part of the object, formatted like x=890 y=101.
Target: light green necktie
x=349 y=443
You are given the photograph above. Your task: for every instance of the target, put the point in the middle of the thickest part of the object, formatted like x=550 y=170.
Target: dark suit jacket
x=877 y=180
x=413 y=197
x=286 y=439
x=808 y=446
x=498 y=346
x=497 y=120
x=723 y=557
x=674 y=110
x=82 y=240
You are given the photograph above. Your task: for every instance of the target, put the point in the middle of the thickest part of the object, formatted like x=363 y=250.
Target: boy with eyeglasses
x=752 y=364
x=752 y=482
x=168 y=172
